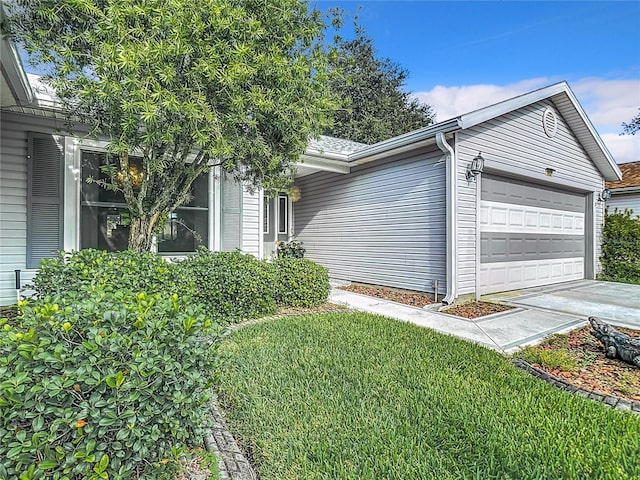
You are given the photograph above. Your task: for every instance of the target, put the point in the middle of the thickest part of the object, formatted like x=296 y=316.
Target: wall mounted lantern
x=475 y=167
x=295 y=193
x=604 y=195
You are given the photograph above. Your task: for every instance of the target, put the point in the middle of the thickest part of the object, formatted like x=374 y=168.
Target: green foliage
x=230 y=286
x=554 y=359
x=128 y=270
x=633 y=126
x=239 y=83
x=375 y=105
x=301 y=282
x=101 y=384
x=621 y=247
x=290 y=249
x=359 y=396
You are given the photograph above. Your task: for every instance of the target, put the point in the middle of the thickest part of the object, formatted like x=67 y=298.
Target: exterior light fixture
x=295 y=193
x=604 y=195
x=476 y=167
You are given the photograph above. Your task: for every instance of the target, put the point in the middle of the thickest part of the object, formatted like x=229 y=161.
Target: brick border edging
x=611 y=401
x=232 y=463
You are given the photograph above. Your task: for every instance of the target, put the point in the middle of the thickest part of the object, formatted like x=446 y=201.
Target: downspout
x=451 y=218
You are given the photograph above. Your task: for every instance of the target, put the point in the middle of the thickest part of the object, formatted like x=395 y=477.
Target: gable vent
x=549 y=122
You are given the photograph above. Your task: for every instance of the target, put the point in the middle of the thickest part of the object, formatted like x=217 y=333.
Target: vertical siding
x=251 y=230
x=515 y=144
x=13 y=196
x=382 y=224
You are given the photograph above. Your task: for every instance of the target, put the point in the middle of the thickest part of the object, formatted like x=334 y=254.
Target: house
x=409 y=212
x=625 y=193
x=414 y=210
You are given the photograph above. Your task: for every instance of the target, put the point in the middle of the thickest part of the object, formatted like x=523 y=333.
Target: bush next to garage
x=621 y=248
x=103 y=384
x=301 y=282
x=230 y=286
x=127 y=270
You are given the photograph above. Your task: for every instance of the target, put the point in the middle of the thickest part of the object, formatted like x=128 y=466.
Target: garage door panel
x=497 y=217
x=530 y=235
x=514 y=247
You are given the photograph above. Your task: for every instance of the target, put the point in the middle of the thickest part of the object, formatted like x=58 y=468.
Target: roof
x=630 y=176
x=339 y=146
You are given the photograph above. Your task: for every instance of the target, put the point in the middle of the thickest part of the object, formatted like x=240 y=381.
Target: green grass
x=359 y=396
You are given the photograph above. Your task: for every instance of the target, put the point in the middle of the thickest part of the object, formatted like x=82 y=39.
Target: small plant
x=290 y=249
x=103 y=384
x=557 y=359
x=301 y=282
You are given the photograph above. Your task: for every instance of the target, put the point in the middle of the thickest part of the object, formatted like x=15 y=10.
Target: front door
x=276 y=222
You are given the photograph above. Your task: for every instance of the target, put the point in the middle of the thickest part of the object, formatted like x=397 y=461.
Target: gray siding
x=382 y=224
x=515 y=144
x=624 y=201
x=13 y=196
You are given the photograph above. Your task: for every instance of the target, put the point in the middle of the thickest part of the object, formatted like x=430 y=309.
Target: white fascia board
x=324 y=164
x=407 y=141
x=476 y=117
x=14 y=72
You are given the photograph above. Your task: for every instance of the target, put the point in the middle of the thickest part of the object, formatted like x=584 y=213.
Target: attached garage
x=502 y=198
x=530 y=235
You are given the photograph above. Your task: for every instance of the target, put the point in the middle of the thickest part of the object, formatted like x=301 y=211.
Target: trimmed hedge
x=230 y=286
x=301 y=282
x=621 y=248
x=126 y=270
x=103 y=384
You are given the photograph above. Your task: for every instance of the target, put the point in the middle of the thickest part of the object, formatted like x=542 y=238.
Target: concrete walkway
x=505 y=331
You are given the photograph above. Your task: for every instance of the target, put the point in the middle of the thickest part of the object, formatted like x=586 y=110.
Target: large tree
x=375 y=104
x=632 y=127
x=186 y=84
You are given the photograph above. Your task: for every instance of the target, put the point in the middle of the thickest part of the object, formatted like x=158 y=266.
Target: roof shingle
x=630 y=176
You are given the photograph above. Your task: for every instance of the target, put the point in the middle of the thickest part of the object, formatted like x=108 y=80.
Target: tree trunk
x=141 y=233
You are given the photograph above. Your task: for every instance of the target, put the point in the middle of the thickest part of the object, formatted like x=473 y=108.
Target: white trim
x=505 y=276
x=510 y=217
x=261 y=234
x=266 y=207
x=211 y=216
x=290 y=219
x=478 y=280
x=217 y=194
x=72 y=187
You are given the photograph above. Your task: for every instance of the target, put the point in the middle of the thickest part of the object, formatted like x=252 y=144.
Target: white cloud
x=608 y=104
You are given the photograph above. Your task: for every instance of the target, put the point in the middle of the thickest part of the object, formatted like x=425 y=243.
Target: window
x=283 y=214
x=104 y=215
x=265 y=215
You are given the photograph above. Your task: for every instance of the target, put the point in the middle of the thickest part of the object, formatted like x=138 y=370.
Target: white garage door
x=530 y=235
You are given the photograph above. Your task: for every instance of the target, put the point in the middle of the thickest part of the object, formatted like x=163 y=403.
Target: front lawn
x=354 y=395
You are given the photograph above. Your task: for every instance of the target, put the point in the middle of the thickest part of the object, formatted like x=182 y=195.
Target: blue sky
x=465 y=55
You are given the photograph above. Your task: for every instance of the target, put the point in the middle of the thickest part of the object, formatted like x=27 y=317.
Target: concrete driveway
x=617 y=303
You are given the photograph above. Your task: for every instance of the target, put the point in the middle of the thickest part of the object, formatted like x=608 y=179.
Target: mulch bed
x=408 y=297
x=594 y=370
x=476 y=309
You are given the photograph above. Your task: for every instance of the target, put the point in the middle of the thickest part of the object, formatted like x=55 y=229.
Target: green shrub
x=230 y=286
x=290 y=249
x=301 y=282
x=103 y=385
x=621 y=248
x=127 y=270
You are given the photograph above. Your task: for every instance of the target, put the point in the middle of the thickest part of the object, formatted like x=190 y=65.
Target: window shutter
x=231 y=222
x=44 y=198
